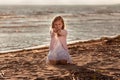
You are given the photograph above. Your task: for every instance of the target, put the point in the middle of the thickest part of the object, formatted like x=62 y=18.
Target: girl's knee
x=53 y=62
x=63 y=62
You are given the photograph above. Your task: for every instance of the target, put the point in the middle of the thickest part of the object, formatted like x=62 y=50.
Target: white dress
x=58 y=53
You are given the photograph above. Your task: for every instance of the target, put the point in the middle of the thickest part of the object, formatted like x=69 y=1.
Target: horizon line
x=60 y=4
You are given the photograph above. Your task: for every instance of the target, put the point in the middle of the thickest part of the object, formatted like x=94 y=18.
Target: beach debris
x=1 y=74
x=39 y=78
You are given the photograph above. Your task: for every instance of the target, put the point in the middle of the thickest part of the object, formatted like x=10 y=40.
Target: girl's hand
x=54 y=30
x=57 y=31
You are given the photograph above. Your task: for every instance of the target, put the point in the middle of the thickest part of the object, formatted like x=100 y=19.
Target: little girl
x=58 y=51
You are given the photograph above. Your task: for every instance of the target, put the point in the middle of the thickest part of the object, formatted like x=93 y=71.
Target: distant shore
x=94 y=60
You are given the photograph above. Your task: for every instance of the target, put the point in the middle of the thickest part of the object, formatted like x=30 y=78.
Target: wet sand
x=93 y=60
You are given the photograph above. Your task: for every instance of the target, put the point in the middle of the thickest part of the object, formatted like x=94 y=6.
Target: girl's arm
x=52 y=33
x=63 y=39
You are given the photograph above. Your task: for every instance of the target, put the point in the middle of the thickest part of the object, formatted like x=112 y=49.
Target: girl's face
x=58 y=24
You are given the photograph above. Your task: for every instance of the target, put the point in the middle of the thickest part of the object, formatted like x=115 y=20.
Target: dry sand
x=93 y=60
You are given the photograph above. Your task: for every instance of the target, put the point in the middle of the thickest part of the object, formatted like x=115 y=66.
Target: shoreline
x=36 y=47
x=47 y=46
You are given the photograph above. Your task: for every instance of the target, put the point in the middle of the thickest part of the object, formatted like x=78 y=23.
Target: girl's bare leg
x=53 y=62
x=63 y=62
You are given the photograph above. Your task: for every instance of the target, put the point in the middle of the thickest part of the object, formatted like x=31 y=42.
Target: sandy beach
x=92 y=60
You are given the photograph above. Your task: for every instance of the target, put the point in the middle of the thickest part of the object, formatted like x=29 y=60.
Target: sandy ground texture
x=93 y=60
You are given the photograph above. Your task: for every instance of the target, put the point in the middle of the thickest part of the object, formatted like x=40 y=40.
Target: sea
x=25 y=26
